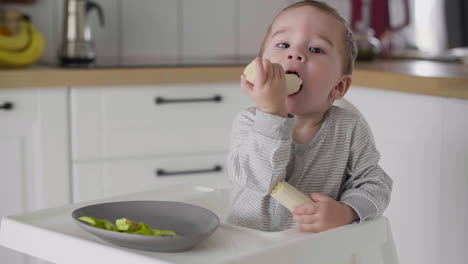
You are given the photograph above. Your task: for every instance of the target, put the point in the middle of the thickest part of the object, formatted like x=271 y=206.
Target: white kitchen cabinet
x=16 y=137
x=453 y=231
x=407 y=130
x=122 y=135
x=424 y=148
x=33 y=153
x=126 y=122
x=94 y=180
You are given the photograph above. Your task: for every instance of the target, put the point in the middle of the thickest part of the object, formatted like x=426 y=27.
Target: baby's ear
x=341 y=88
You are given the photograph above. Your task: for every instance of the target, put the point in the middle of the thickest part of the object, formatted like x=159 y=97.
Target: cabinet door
x=128 y=122
x=33 y=154
x=408 y=133
x=16 y=139
x=94 y=180
x=454 y=182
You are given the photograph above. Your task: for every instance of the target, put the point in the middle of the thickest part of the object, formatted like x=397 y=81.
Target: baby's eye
x=282 y=45
x=316 y=50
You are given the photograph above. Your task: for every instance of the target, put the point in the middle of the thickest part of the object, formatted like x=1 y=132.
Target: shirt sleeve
x=260 y=150
x=367 y=188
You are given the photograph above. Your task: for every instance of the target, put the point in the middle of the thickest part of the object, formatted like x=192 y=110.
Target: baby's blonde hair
x=350 y=50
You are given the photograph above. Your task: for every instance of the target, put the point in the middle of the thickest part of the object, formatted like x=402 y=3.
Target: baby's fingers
x=261 y=69
x=309 y=228
x=270 y=70
x=279 y=71
x=246 y=86
x=305 y=209
x=305 y=219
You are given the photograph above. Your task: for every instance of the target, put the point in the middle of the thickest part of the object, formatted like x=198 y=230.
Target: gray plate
x=193 y=223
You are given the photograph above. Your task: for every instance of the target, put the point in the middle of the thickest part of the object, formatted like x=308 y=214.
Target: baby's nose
x=296 y=57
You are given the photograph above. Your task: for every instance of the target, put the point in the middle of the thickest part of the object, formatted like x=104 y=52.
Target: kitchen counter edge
x=365 y=75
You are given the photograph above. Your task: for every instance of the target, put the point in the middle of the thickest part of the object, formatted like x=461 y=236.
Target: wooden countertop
x=421 y=77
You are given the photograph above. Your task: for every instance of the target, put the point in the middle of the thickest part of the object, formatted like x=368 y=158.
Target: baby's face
x=310 y=42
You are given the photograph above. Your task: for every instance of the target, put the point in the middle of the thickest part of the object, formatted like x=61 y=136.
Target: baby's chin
x=295 y=108
x=292 y=107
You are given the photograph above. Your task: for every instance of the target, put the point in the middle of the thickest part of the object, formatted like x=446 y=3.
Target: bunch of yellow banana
x=23 y=48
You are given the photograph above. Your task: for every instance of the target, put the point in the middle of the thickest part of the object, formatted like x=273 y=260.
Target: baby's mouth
x=300 y=87
x=293 y=72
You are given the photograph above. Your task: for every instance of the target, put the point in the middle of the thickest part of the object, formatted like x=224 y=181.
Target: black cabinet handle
x=6 y=106
x=216 y=99
x=162 y=172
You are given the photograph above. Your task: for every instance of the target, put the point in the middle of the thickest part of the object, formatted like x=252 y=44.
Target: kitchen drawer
x=95 y=180
x=116 y=122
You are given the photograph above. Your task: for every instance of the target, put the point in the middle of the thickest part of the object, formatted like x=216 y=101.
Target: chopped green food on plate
x=125 y=225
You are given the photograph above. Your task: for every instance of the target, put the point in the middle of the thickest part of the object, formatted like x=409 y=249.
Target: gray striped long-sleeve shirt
x=341 y=161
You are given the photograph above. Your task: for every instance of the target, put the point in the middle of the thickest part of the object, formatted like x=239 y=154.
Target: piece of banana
x=16 y=42
x=293 y=82
x=287 y=195
x=29 y=55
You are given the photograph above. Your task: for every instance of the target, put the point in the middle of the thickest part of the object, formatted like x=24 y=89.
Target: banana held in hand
x=293 y=82
x=16 y=42
x=285 y=194
x=29 y=55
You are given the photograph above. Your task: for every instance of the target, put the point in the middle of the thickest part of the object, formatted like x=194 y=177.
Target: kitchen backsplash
x=155 y=31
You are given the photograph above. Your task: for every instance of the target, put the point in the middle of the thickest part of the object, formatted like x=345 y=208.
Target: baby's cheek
x=273 y=56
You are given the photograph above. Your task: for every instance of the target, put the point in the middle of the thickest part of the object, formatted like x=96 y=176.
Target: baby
x=325 y=151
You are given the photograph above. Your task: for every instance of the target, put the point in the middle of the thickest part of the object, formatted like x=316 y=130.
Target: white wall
x=156 y=31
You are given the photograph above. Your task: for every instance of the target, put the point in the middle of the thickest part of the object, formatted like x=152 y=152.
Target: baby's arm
x=257 y=160
x=368 y=188
x=365 y=193
x=259 y=151
x=261 y=139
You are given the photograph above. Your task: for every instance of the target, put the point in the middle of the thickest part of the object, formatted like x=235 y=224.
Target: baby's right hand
x=269 y=90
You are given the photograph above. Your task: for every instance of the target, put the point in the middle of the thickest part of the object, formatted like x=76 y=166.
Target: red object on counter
x=380 y=16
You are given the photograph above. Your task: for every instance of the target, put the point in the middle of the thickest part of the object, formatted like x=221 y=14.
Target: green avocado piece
x=124 y=228
x=144 y=229
x=125 y=225
x=109 y=226
x=88 y=220
x=93 y=221
x=156 y=232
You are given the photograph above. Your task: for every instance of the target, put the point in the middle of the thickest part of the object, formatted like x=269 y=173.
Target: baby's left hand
x=324 y=214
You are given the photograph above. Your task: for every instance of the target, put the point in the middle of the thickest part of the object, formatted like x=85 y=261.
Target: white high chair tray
x=52 y=235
